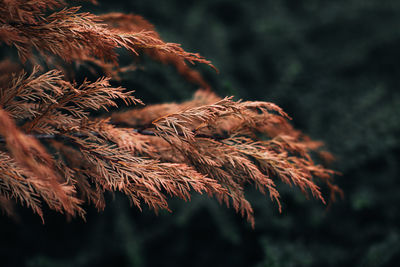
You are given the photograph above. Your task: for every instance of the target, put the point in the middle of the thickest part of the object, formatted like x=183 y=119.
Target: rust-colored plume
x=56 y=150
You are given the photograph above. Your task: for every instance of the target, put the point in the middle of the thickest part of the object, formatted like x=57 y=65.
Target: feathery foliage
x=56 y=148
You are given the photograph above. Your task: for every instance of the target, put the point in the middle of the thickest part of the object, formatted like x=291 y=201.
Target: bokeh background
x=334 y=66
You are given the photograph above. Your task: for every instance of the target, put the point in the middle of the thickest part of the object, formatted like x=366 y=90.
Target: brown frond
x=54 y=148
x=37 y=166
x=63 y=104
x=234 y=159
x=13 y=184
x=75 y=36
x=112 y=168
x=143 y=117
x=135 y=23
x=27 y=12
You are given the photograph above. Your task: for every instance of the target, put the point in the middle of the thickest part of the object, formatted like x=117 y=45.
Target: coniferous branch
x=55 y=150
x=134 y=23
x=216 y=139
x=79 y=37
x=28 y=163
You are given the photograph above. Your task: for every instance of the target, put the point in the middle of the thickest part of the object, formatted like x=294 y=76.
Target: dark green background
x=334 y=67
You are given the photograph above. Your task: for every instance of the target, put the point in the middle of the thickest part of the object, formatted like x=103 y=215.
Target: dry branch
x=55 y=150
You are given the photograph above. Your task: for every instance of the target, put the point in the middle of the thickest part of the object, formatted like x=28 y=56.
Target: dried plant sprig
x=97 y=156
x=230 y=158
x=93 y=156
x=63 y=105
x=55 y=150
x=50 y=105
x=75 y=36
x=135 y=23
x=34 y=167
x=27 y=12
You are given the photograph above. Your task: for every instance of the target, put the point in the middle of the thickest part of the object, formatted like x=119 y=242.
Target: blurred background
x=334 y=66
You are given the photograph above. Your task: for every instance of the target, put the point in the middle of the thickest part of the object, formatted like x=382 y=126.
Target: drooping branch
x=75 y=36
x=55 y=149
